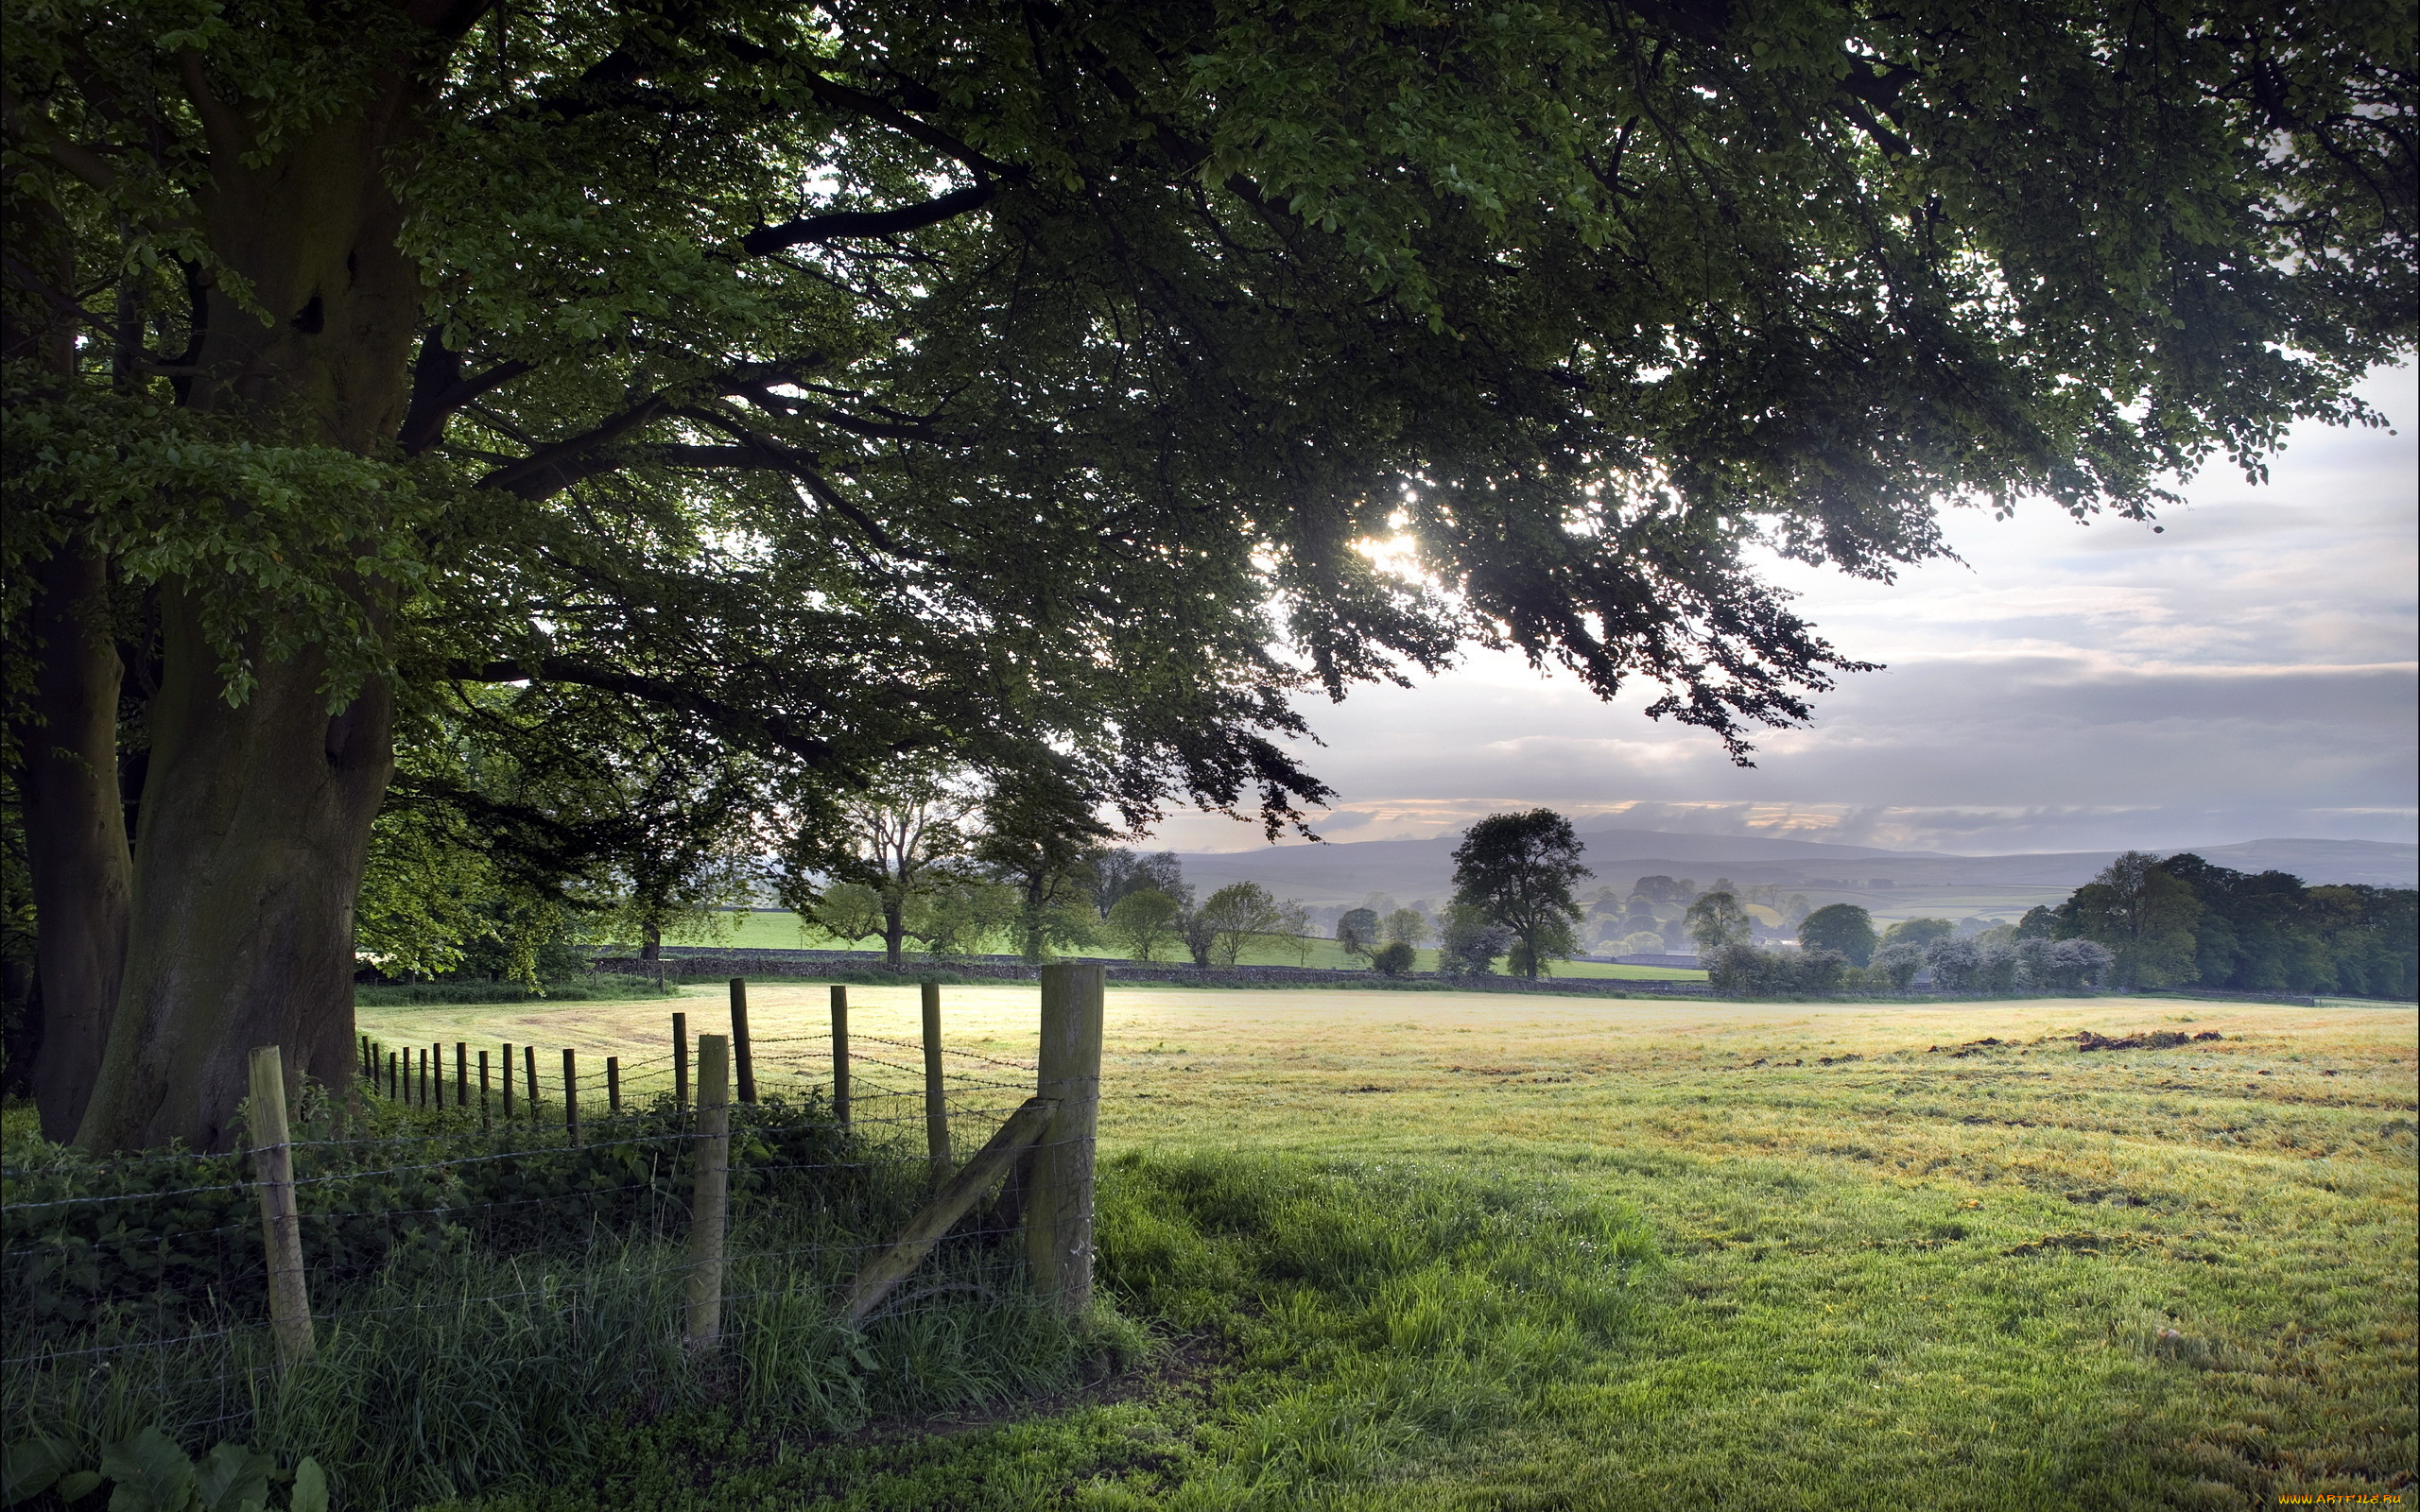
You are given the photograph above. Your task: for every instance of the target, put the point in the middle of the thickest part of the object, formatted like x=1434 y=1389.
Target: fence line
x=409 y=1179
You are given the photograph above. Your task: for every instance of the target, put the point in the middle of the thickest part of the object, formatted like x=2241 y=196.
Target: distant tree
x=1394 y=958
x=1040 y=837
x=1294 y=930
x=1407 y=925
x=1239 y=916
x=2143 y=915
x=2038 y=923
x=907 y=836
x=1116 y=873
x=1745 y=970
x=1716 y=921
x=1842 y=927
x=1520 y=868
x=1645 y=942
x=1662 y=889
x=1895 y=965
x=1919 y=931
x=1971 y=965
x=2060 y=966
x=1358 y=932
x=1144 y=922
x=1469 y=940
x=963 y=917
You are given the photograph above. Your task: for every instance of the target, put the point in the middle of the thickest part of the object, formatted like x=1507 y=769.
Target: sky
x=2248 y=673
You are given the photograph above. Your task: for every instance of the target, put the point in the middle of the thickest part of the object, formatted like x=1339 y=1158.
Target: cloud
x=2247 y=673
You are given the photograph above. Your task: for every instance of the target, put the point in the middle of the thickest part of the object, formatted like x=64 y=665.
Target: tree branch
x=549 y=470
x=80 y=161
x=438 y=390
x=781 y=730
x=228 y=132
x=853 y=223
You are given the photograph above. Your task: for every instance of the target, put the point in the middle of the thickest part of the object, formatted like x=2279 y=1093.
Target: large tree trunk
x=255 y=817
x=254 y=826
x=75 y=833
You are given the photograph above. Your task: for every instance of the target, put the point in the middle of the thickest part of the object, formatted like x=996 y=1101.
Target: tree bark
x=254 y=818
x=82 y=871
x=254 y=828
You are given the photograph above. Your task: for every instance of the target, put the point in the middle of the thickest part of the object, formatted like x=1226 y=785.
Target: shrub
x=1894 y=966
x=1394 y=958
x=1747 y=972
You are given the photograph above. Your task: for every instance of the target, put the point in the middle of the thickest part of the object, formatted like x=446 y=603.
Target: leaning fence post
x=840 y=1055
x=709 y=1152
x=508 y=1081
x=741 y=1060
x=571 y=1095
x=680 y=1061
x=289 y=1300
x=394 y=1080
x=1058 y=1202
x=530 y=1078
x=936 y=1099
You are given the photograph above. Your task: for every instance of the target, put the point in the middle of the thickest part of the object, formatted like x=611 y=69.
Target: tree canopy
x=1519 y=869
x=1039 y=387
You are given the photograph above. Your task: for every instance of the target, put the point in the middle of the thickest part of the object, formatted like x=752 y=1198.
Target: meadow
x=767 y=928
x=1443 y=1250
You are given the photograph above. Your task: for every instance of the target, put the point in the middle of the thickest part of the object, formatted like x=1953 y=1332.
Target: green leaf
x=30 y=1468
x=310 y=1488
x=233 y=1476
x=151 y=1473
x=79 y=1486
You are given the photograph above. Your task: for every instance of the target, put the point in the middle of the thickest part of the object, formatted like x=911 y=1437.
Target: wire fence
x=757 y=1206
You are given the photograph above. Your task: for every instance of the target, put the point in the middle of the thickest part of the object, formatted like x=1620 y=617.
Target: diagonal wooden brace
x=893 y=1265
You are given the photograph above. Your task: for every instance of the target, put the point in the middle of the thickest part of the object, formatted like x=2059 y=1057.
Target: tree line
x=2143 y=921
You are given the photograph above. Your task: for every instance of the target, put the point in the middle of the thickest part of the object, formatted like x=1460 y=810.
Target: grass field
x=1840 y=1256
x=768 y=930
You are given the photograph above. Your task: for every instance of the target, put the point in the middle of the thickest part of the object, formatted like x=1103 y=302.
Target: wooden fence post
x=571 y=1095
x=1058 y=1202
x=508 y=1081
x=394 y=1080
x=680 y=1061
x=369 y=1069
x=530 y=1078
x=840 y=1055
x=709 y=1155
x=935 y=1090
x=461 y=1074
x=614 y=1086
x=483 y=1088
x=289 y=1300
x=742 y=1060
x=437 y=1074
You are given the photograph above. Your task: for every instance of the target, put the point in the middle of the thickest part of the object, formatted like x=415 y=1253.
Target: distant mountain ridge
x=1343 y=871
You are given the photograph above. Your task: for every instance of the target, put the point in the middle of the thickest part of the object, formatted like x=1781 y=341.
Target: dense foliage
x=1049 y=390
x=1519 y=869
x=2184 y=921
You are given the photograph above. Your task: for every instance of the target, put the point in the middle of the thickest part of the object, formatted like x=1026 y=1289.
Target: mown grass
x=1420 y=1252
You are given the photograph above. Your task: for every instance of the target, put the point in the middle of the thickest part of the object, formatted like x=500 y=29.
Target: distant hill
x=1346 y=871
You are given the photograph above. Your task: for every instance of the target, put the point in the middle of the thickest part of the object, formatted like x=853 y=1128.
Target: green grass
x=771 y=929
x=1927 y=1274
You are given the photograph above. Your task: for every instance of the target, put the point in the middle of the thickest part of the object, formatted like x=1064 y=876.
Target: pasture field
x=1464 y=1251
x=764 y=929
